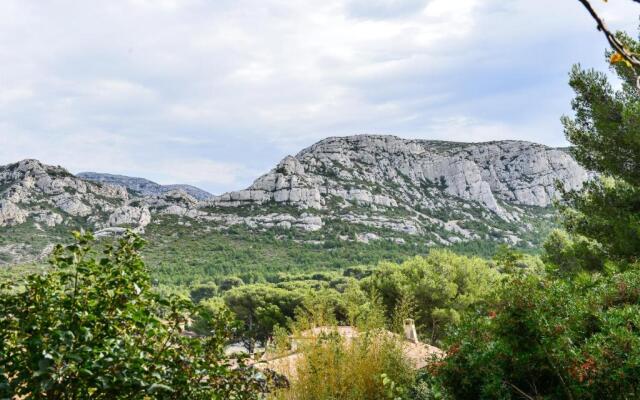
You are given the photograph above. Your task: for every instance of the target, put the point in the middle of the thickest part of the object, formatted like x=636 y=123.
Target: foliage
x=325 y=298
x=230 y=282
x=605 y=132
x=442 y=286
x=210 y=309
x=569 y=254
x=435 y=290
x=371 y=366
x=93 y=328
x=551 y=339
x=203 y=291
x=191 y=254
x=608 y=212
x=428 y=387
x=261 y=307
x=183 y=252
x=574 y=333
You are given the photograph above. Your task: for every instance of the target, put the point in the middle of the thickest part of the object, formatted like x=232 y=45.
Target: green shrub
x=557 y=339
x=229 y=283
x=203 y=291
x=371 y=366
x=93 y=328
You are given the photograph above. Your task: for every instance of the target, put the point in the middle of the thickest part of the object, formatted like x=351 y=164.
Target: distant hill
x=143 y=186
x=405 y=196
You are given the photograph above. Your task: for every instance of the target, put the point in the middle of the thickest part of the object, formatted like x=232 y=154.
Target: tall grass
x=371 y=366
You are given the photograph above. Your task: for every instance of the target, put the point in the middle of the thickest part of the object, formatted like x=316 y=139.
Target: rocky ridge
x=142 y=186
x=51 y=201
x=417 y=187
x=360 y=188
x=387 y=171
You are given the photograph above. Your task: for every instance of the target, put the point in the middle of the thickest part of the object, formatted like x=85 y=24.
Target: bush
x=93 y=328
x=371 y=366
x=229 y=283
x=202 y=292
x=555 y=339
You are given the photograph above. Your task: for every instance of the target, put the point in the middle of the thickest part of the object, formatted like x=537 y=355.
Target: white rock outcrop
x=51 y=195
x=127 y=215
x=11 y=214
x=390 y=172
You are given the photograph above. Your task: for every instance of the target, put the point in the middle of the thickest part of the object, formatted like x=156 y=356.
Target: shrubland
x=368 y=367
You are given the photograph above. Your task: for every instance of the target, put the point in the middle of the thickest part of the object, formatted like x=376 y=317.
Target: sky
x=215 y=92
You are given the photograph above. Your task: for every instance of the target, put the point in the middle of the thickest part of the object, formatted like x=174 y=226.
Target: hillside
x=442 y=192
x=343 y=194
x=41 y=204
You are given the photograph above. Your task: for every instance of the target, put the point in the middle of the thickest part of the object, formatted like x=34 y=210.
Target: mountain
x=143 y=186
x=40 y=204
x=366 y=189
x=388 y=171
x=441 y=190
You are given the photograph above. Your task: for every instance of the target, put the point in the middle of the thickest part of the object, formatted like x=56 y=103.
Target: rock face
x=287 y=183
x=360 y=188
x=128 y=215
x=143 y=186
x=41 y=197
x=388 y=171
x=443 y=192
x=29 y=189
x=52 y=196
x=11 y=214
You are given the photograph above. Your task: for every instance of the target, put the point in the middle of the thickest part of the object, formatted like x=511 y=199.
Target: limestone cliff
x=387 y=171
x=360 y=188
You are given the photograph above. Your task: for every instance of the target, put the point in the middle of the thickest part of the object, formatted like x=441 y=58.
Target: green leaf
x=158 y=387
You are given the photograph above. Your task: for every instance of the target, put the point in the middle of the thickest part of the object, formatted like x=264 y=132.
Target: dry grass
x=334 y=368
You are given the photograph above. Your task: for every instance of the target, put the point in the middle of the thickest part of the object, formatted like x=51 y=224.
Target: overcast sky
x=215 y=92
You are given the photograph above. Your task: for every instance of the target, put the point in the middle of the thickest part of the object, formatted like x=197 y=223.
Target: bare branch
x=611 y=38
x=521 y=392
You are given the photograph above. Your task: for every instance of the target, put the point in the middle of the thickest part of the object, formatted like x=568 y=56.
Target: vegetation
x=368 y=367
x=93 y=328
x=183 y=252
x=565 y=325
x=441 y=286
x=191 y=255
x=436 y=290
x=574 y=333
x=551 y=338
x=261 y=308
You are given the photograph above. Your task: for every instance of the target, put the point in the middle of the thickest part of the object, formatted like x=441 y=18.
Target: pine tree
x=605 y=133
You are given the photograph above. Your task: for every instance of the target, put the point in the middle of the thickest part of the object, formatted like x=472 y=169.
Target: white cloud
x=203 y=172
x=116 y=90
